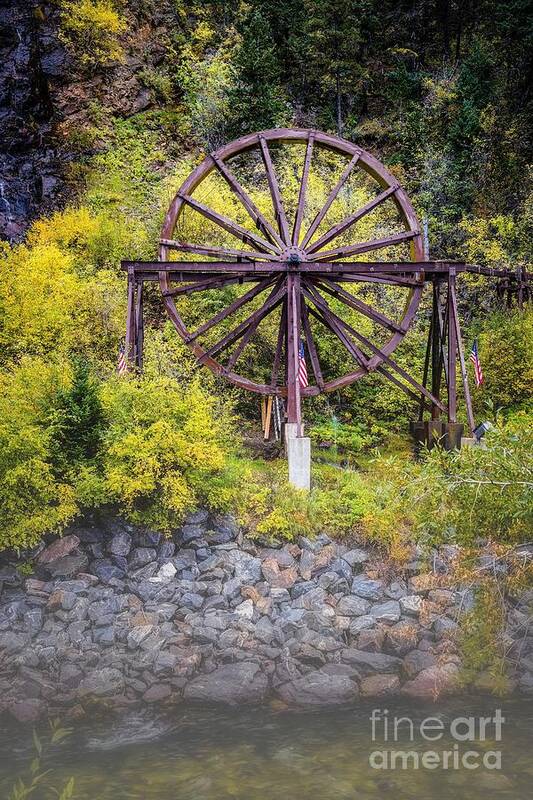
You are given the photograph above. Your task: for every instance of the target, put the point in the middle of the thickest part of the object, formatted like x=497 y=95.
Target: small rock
x=164 y=573
x=386 y=612
x=352 y=606
x=28 y=710
x=245 y=610
x=411 y=604
x=356 y=556
x=105 y=682
x=142 y=556
x=380 y=685
x=433 y=682
x=367 y=588
x=157 y=693
x=120 y=544
x=360 y=623
x=67 y=566
x=370 y=663
x=58 y=549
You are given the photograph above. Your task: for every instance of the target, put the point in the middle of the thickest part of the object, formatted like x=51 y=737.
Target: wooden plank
x=209 y=283
x=130 y=319
x=251 y=330
x=293 y=341
x=333 y=323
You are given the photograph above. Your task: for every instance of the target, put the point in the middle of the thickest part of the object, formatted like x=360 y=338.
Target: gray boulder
x=367 y=588
x=230 y=684
x=319 y=688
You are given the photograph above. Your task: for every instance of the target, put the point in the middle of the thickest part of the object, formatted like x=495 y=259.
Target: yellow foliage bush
x=91 y=29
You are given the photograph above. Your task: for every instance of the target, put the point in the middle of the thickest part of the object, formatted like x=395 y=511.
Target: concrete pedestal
x=299 y=458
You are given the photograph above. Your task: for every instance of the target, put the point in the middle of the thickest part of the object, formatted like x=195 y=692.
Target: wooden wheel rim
x=365 y=161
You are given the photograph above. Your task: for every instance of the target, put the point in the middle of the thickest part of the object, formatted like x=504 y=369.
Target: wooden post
x=130 y=318
x=139 y=325
x=464 y=374
x=268 y=417
x=436 y=349
x=452 y=349
x=294 y=414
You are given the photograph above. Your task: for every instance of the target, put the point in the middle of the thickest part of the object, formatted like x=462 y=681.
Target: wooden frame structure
x=301 y=273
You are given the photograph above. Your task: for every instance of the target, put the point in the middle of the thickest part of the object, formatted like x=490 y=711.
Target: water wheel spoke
x=259 y=219
x=232 y=308
x=282 y=332
x=270 y=304
x=364 y=247
x=214 y=282
x=246 y=236
x=388 y=280
x=351 y=219
x=380 y=356
x=331 y=197
x=334 y=323
x=311 y=346
x=303 y=190
x=212 y=250
x=345 y=297
x=273 y=185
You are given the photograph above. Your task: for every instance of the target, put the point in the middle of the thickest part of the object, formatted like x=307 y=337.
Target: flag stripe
x=122 y=362
x=302 y=367
x=474 y=358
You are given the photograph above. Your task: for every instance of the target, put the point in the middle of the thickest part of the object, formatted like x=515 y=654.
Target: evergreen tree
x=79 y=420
x=338 y=33
x=256 y=101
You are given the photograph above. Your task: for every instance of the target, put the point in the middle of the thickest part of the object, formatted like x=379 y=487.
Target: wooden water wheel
x=300 y=266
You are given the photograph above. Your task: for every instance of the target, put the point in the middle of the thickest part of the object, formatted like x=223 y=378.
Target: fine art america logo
x=435 y=744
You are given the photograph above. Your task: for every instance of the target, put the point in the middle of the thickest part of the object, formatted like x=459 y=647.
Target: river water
x=269 y=754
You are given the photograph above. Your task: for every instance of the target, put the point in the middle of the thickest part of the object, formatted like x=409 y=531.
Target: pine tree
x=338 y=34
x=256 y=100
x=79 y=420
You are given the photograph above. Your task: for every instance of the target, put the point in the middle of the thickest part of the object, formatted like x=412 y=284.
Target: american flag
x=302 y=368
x=474 y=358
x=122 y=362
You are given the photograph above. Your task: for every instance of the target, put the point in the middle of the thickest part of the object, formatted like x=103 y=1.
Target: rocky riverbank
x=115 y=616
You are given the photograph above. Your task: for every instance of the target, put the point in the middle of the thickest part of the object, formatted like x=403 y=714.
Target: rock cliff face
x=119 y=616
x=45 y=96
x=30 y=59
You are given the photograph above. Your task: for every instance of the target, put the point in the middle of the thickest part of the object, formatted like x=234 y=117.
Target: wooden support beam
x=452 y=351
x=464 y=374
x=139 y=326
x=294 y=411
x=130 y=319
